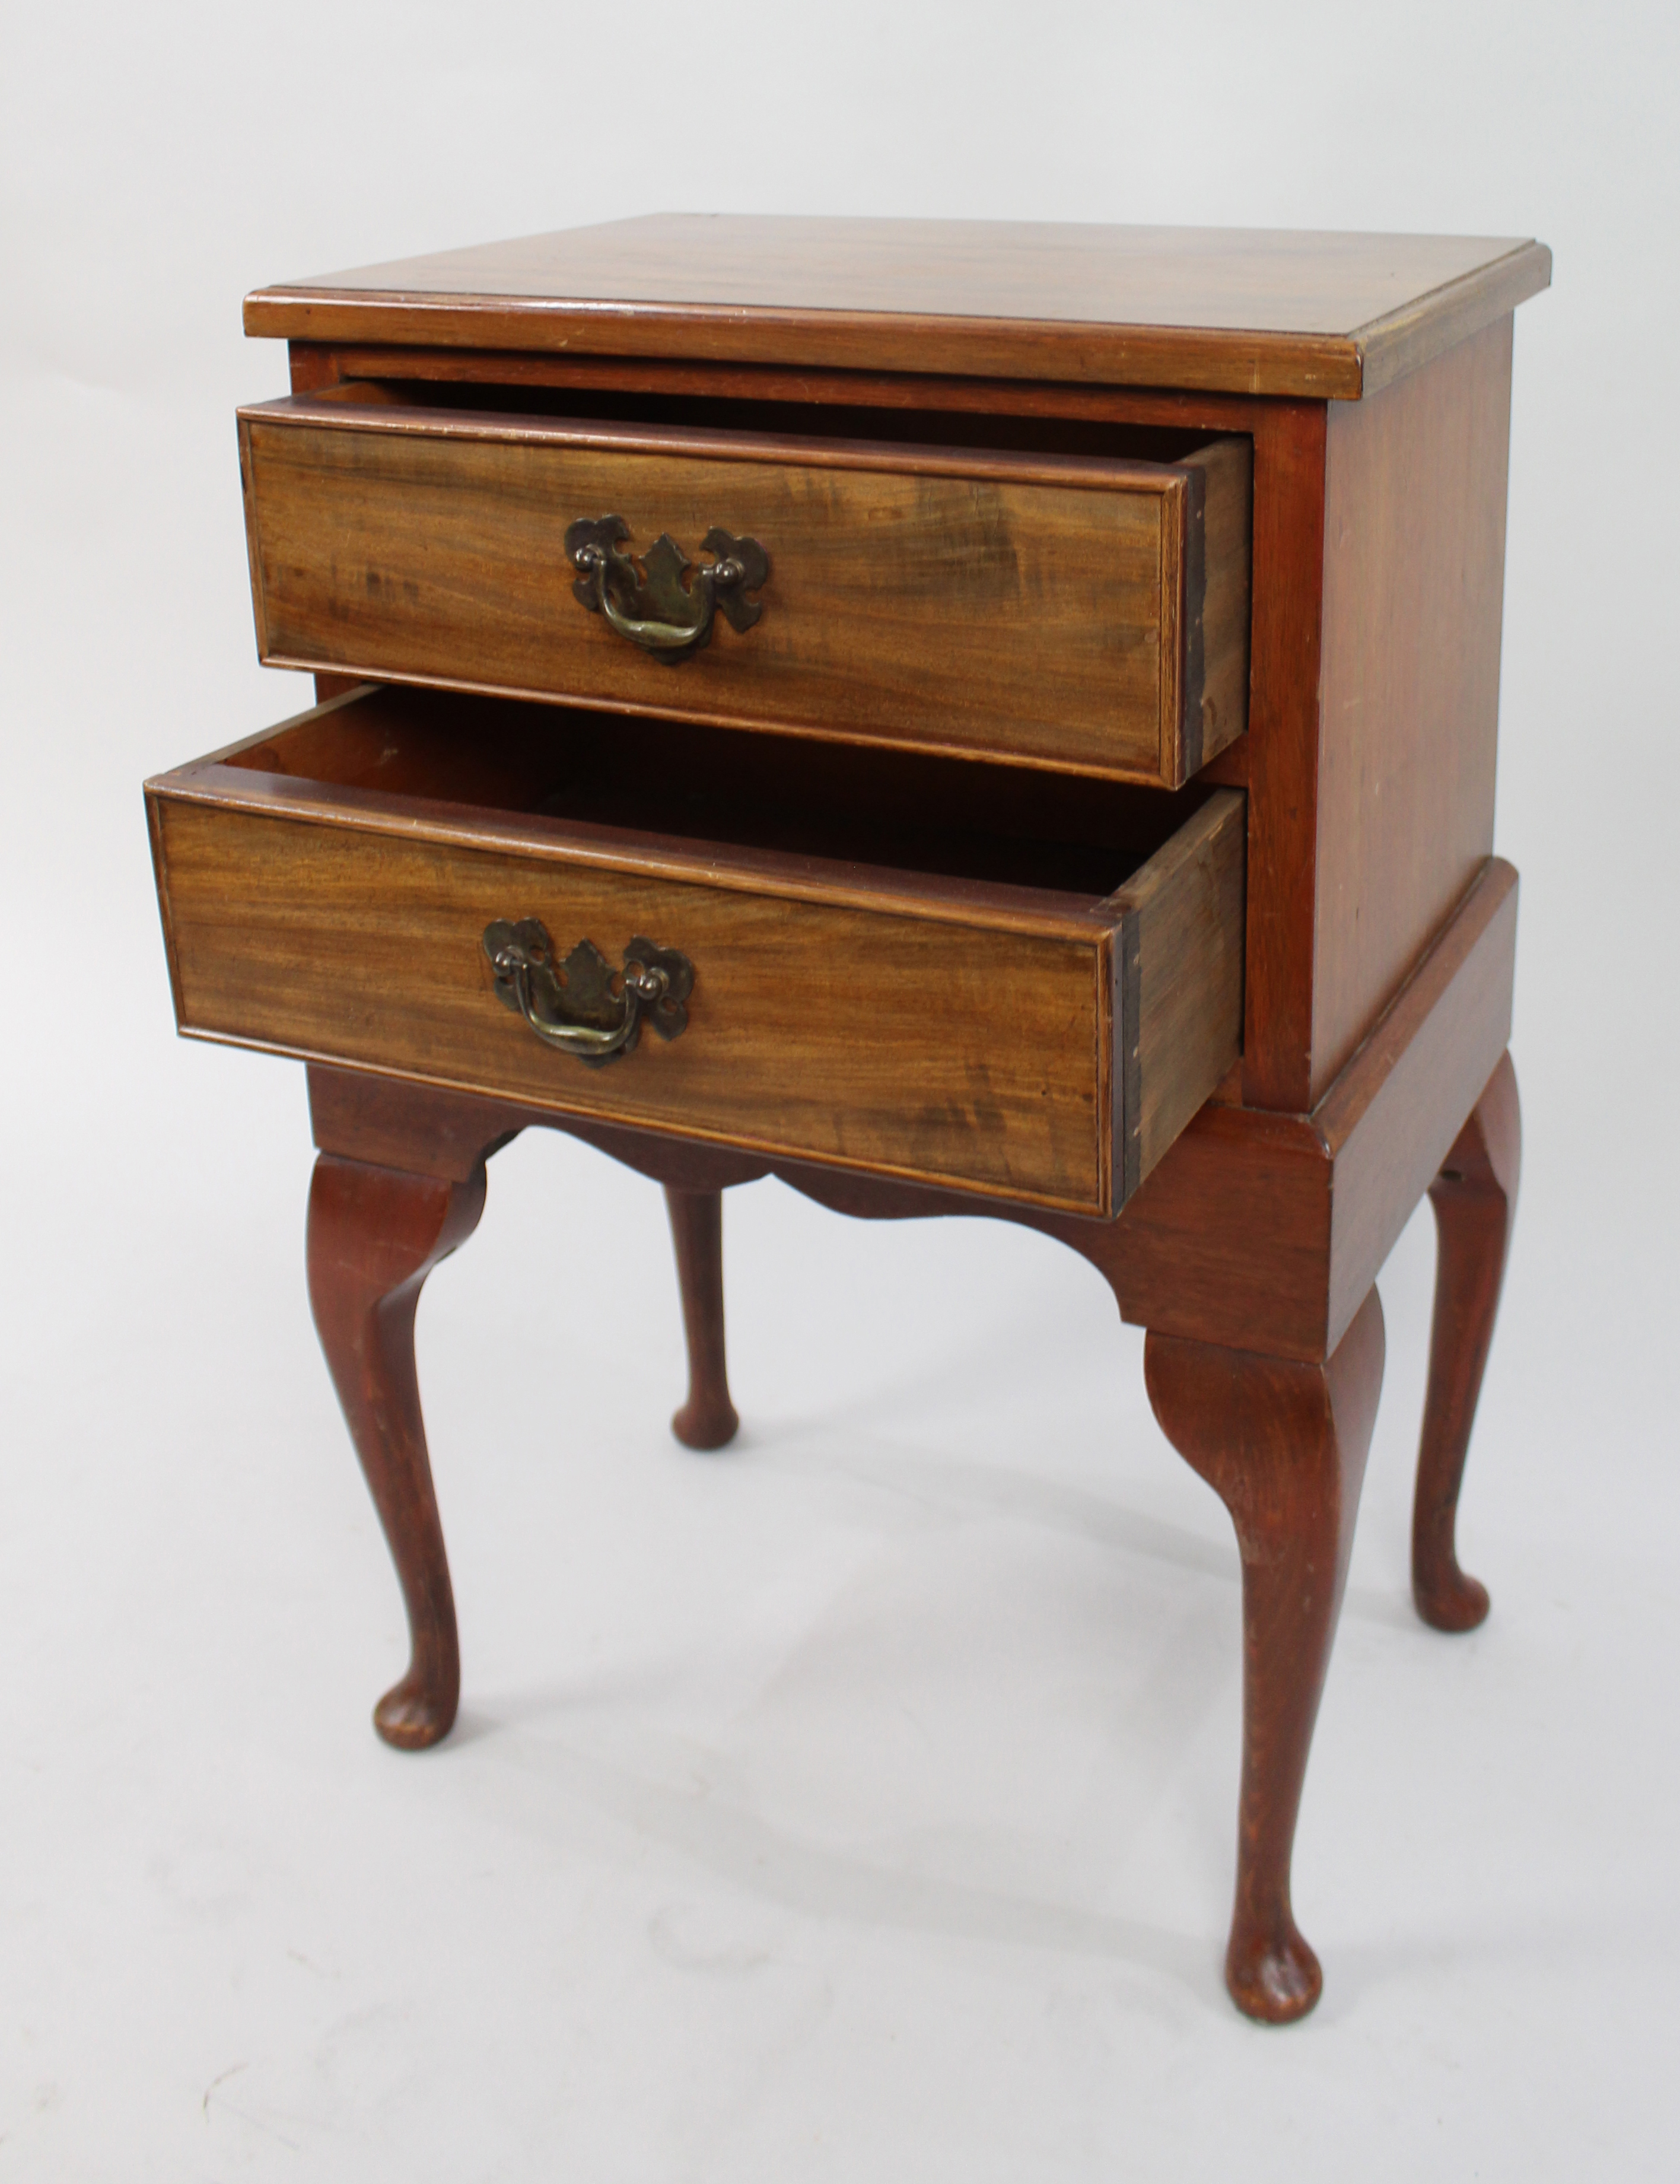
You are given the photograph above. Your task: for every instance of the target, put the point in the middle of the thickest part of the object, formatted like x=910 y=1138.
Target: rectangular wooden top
x=1256 y=312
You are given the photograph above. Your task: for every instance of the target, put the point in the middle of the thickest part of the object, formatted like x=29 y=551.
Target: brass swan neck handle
x=650 y=605
x=571 y=1005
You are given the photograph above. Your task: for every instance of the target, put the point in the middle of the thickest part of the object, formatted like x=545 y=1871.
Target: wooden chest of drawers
x=963 y=718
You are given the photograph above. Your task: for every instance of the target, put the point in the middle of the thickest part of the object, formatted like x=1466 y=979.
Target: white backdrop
x=860 y=1804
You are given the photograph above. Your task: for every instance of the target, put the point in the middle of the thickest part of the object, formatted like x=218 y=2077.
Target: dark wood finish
x=1283 y=1445
x=1278 y=314
x=708 y=1420
x=1475 y=1201
x=374 y=1234
x=940 y=1026
x=1413 y=599
x=988 y=603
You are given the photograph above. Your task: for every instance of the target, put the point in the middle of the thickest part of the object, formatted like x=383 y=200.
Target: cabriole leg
x=374 y=1234
x=1284 y=1446
x=1475 y=1201
x=708 y=1420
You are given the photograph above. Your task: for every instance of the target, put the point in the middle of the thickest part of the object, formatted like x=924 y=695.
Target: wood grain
x=988 y=603
x=1281 y=756
x=1255 y=312
x=896 y=1042
x=1413 y=597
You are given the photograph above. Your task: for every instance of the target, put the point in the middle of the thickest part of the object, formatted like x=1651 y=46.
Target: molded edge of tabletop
x=1028 y=302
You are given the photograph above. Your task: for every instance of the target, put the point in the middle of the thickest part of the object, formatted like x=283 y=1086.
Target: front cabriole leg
x=374 y=1234
x=1284 y=1445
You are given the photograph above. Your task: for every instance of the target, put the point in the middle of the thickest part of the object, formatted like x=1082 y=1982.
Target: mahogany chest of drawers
x=964 y=718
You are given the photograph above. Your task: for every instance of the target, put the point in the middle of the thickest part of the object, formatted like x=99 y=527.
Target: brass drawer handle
x=650 y=606
x=572 y=1006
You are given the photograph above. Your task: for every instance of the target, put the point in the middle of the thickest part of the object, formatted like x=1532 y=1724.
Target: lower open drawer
x=1013 y=983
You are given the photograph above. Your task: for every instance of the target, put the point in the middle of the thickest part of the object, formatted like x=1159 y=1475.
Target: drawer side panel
x=1190 y=927
x=1221 y=706
x=873 y=1039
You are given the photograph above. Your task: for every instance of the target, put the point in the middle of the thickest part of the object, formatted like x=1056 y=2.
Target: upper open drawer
x=1073 y=611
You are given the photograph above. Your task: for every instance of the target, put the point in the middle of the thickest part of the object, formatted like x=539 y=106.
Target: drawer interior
x=841 y=804
x=930 y=427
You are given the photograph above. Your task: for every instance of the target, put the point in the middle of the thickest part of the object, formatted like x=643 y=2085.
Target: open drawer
x=1022 y=985
x=1041 y=606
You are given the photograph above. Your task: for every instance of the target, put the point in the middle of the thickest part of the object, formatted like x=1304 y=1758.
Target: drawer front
x=1063 y=611
x=897 y=1043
